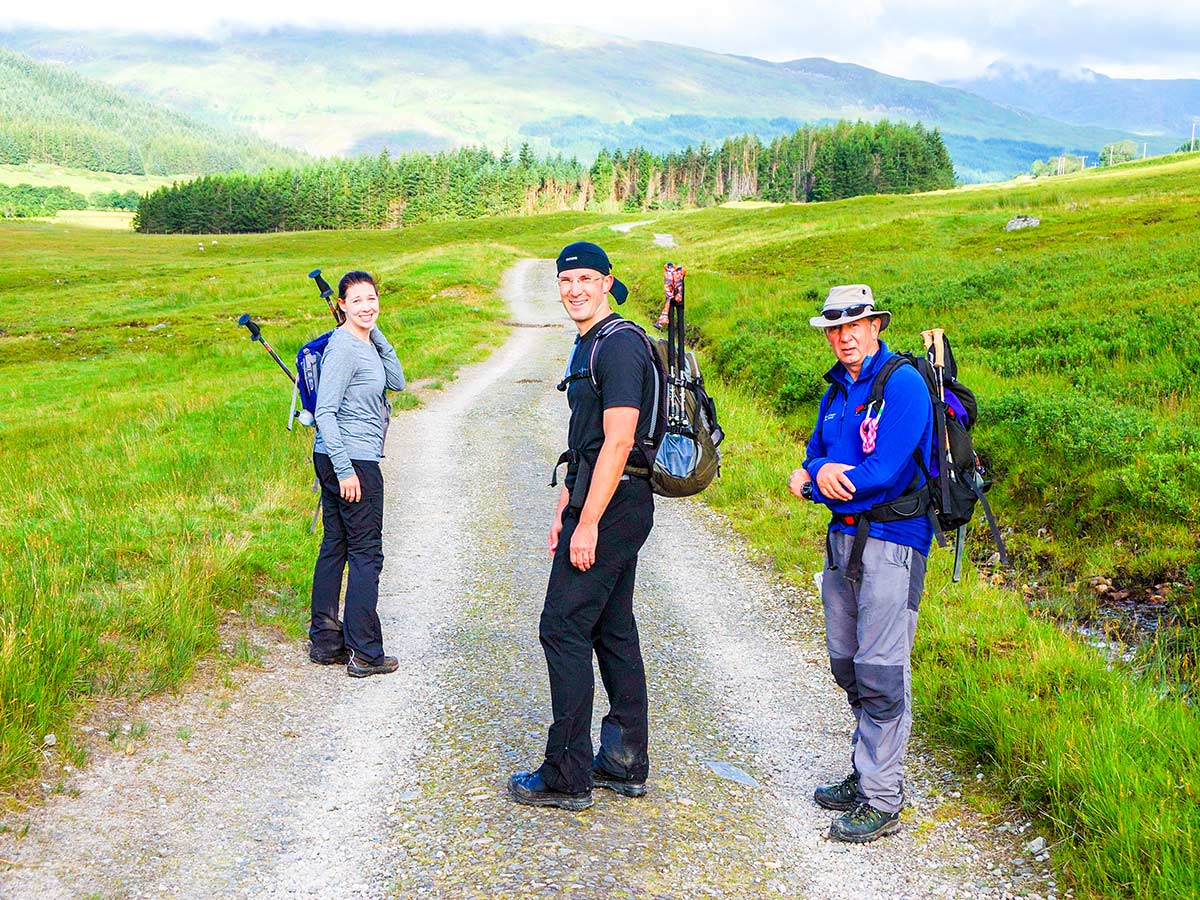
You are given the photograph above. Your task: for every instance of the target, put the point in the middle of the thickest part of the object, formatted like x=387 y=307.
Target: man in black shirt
x=605 y=513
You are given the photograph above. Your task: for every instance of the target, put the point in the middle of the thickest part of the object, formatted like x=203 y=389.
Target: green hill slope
x=336 y=93
x=49 y=114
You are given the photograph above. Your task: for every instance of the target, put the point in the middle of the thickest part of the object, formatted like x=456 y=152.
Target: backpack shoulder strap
x=612 y=328
x=655 y=425
x=895 y=361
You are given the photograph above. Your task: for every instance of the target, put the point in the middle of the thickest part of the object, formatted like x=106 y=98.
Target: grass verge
x=151 y=483
x=1099 y=753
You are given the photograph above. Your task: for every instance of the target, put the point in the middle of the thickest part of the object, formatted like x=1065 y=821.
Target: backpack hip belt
x=583 y=475
x=907 y=506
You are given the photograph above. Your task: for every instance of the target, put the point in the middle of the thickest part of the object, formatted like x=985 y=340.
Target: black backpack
x=956 y=481
x=679 y=455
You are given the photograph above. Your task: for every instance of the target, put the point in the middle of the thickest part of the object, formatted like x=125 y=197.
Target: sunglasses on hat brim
x=833 y=315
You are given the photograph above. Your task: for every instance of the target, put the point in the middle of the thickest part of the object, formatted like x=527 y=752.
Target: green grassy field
x=82 y=181
x=155 y=486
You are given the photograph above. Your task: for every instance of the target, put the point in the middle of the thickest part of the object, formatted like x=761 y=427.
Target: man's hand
x=796 y=483
x=564 y=497
x=583 y=545
x=834 y=482
x=350 y=489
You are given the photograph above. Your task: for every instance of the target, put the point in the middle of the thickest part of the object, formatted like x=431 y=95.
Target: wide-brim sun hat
x=849 y=303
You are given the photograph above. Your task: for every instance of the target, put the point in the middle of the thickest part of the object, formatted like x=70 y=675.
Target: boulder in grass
x=1019 y=222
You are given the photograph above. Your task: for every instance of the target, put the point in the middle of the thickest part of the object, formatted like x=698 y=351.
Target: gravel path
x=294 y=781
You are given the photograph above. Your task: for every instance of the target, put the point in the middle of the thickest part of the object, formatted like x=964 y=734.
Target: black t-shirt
x=625 y=375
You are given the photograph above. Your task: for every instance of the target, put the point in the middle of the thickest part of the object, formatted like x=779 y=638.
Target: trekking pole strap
x=991 y=520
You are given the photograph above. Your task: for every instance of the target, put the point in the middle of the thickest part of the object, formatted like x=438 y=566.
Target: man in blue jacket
x=862 y=462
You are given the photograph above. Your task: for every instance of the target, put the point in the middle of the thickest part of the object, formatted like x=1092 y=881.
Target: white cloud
x=925 y=39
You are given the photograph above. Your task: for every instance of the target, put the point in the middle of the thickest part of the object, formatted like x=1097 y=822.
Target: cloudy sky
x=925 y=39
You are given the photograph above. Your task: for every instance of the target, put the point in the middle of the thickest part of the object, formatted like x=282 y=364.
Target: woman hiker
x=352 y=413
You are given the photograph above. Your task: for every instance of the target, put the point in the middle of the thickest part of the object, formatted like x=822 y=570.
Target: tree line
x=814 y=163
x=23 y=201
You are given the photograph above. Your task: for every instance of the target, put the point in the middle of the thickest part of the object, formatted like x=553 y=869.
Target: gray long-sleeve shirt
x=352 y=409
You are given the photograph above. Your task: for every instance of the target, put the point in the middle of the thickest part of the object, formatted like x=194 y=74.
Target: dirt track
x=304 y=783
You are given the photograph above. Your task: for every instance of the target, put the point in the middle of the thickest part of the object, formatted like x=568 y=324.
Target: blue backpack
x=308 y=375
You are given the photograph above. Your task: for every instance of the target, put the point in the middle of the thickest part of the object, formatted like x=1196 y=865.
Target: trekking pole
x=256 y=335
x=664 y=317
x=327 y=296
x=338 y=317
x=680 y=353
x=937 y=339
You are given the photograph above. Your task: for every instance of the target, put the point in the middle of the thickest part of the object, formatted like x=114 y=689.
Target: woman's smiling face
x=361 y=305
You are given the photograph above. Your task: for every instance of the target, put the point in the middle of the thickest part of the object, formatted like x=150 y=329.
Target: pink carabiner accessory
x=869 y=429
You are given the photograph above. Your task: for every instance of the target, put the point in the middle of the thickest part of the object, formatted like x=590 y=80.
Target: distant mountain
x=570 y=91
x=49 y=114
x=1159 y=108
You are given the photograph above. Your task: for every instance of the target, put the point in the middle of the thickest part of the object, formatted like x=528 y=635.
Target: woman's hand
x=350 y=489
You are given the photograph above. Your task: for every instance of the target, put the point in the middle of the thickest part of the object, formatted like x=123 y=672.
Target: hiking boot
x=329 y=657
x=530 y=789
x=838 y=796
x=356 y=668
x=626 y=787
x=863 y=823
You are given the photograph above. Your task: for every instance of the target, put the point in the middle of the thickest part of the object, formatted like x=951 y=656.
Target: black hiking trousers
x=354 y=540
x=588 y=612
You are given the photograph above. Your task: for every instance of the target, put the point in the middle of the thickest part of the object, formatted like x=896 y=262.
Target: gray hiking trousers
x=869 y=630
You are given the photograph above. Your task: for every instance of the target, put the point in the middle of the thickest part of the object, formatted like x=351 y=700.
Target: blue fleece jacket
x=886 y=473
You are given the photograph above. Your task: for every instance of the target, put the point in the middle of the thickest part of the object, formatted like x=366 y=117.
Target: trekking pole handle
x=939 y=348
x=251 y=326
x=663 y=317
x=327 y=296
x=927 y=339
x=322 y=284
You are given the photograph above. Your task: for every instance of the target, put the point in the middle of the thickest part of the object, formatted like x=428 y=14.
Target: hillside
x=1148 y=107
x=568 y=91
x=49 y=114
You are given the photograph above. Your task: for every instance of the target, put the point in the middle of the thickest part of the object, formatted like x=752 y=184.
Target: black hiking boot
x=626 y=787
x=528 y=788
x=357 y=668
x=863 y=823
x=329 y=657
x=838 y=796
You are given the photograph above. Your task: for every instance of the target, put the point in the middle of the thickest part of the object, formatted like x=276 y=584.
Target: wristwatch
x=806 y=490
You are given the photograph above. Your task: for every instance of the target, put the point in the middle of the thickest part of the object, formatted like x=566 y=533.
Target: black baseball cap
x=585 y=255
